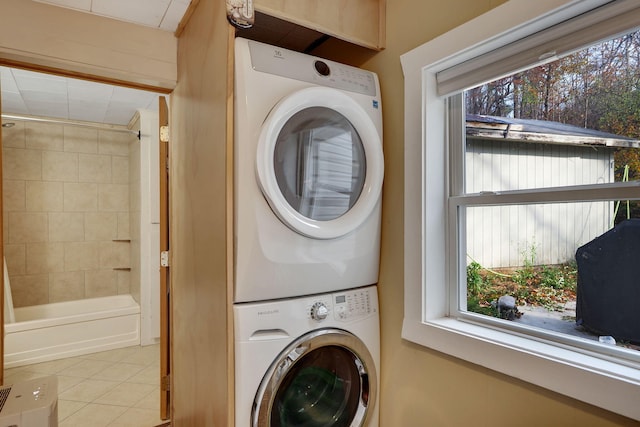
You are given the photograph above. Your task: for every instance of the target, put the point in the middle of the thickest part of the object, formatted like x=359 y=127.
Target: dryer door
x=320 y=162
x=325 y=378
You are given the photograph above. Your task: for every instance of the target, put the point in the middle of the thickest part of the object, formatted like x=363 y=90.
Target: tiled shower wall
x=66 y=212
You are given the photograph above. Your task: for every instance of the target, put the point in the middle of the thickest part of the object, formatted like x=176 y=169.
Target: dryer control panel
x=307 y=68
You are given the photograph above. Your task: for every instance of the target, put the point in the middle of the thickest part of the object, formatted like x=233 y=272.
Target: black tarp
x=608 y=290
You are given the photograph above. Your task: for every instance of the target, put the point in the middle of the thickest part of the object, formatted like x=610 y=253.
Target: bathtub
x=53 y=331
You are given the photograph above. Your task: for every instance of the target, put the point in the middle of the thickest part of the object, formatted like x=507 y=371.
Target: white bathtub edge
x=49 y=341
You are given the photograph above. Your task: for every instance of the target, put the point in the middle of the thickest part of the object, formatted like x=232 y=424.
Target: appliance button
x=322 y=68
x=319 y=311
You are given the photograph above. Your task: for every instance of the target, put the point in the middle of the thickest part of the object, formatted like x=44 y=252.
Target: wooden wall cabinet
x=361 y=22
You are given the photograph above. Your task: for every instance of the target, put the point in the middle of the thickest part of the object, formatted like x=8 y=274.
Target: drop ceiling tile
x=145 y=12
x=84 y=5
x=47 y=108
x=42 y=84
x=88 y=91
x=174 y=14
x=30 y=96
x=36 y=94
x=88 y=112
x=12 y=103
x=119 y=113
x=7 y=81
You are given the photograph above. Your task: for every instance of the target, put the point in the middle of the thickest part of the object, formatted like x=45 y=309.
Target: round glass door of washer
x=325 y=379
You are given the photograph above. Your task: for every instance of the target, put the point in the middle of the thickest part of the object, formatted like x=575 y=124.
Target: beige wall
x=65 y=199
x=421 y=387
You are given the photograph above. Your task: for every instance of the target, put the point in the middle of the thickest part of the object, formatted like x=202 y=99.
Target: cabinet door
x=361 y=22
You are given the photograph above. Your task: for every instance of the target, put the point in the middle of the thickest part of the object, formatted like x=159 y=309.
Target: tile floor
x=112 y=388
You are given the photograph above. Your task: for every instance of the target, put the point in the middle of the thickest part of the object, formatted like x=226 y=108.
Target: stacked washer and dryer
x=308 y=180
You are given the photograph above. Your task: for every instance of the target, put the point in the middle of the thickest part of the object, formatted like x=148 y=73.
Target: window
x=447 y=202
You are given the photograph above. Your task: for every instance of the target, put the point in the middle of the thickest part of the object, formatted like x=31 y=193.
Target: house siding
x=543 y=233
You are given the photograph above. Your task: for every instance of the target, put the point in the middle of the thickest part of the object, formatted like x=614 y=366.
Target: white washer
x=308 y=174
x=308 y=361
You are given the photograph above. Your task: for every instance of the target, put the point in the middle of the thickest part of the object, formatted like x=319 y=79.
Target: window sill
x=594 y=380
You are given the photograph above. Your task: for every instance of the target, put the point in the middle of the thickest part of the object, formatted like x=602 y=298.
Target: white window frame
x=607 y=382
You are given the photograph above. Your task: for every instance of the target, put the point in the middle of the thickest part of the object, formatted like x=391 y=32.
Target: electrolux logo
x=268 y=312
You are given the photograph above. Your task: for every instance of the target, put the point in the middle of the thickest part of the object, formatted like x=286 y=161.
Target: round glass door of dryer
x=325 y=379
x=320 y=163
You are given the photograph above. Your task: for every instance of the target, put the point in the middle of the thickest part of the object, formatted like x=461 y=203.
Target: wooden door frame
x=2 y=284
x=165 y=303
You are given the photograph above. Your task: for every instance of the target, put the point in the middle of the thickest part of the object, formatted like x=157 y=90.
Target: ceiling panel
x=144 y=12
x=163 y=14
x=36 y=94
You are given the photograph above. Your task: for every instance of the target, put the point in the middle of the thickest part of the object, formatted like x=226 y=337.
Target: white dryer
x=308 y=361
x=308 y=174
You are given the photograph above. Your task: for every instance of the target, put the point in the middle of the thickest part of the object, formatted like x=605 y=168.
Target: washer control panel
x=343 y=306
x=353 y=304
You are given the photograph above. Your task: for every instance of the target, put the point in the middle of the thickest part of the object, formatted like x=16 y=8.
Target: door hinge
x=165 y=383
x=164 y=259
x=164 y=133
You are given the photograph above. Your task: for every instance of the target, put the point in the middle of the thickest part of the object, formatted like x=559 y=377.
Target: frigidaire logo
x=268 y=312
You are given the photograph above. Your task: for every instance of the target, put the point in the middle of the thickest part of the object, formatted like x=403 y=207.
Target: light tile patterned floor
x=113 y=388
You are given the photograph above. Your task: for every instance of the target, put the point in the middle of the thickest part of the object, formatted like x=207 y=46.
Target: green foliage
x=549 y=286
x=474 y=279
x=526 y=275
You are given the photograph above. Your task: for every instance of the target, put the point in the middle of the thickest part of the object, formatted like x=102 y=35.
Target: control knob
x=319 y=311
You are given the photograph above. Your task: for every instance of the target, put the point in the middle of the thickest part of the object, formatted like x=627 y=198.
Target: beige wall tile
x=28 y=227
x=66 y=286
x=120 y=170
x=100 y=283
x=80 y=140
x=100 y=226
x=115 y=255
x=13 y=195
x=44 y=196
x=70 y=186
x=124 y=226
x=45 y=258
x=59 y=166
x=44 y=136
x=113 y=197
x=135 y=197
x=124 y=282
x=16 y=259
x=66 y=227
x=80 y=197
x=18 y=163
x=30 y=290
x=81 y=256
x=116 y=143
x=14 y=136
x=94 y=168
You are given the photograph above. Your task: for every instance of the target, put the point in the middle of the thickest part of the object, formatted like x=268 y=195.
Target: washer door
x=319 y=162
x=323 y=379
